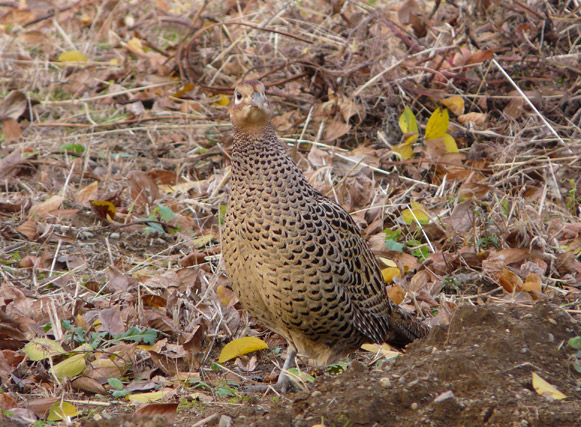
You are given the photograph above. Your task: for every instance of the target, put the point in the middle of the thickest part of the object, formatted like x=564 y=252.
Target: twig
x=207 y=420
x=530 y=104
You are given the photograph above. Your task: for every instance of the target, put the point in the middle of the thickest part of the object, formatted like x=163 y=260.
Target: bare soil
x=485 y=358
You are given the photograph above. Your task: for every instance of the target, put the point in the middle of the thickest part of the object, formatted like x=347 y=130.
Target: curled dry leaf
x=478 y=119
x=455 y=104
x=396 y=294
x=510 y=281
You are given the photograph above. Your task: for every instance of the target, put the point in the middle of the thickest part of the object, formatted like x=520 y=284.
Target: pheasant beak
x=259 y=101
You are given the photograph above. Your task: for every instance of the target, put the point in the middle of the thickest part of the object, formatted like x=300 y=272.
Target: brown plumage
x=295 y=258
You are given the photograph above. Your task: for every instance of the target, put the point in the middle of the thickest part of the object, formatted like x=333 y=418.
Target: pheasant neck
x=259 y=160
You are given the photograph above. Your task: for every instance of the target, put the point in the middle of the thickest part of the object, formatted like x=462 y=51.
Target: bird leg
x=284 y=382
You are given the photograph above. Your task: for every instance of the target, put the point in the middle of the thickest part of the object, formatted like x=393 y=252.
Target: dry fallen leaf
x=548 y=391
x=167 y=410
x=241 y=346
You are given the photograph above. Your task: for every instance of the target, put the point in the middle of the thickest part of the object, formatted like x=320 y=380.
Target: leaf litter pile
x=450 y=131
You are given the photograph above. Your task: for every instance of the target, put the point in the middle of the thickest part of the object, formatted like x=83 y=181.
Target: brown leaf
x=462 y=218
x=510 y=281
x=46 y=209
x=120 y=282
x=350 y=108
x=88 y=384
x=11 y=163
x=404 y=261
x=533 y=285
x=41 y=406
x=13 y=105
x=497 y=261
x=18 y=17
x=144 y=190
x=419 y=281
x=163 y=177
x=102 y=369
x=335 y=129
x=111 y=320
x=480 y=56
x=86 y=194
x=227 y=297
x=31 y=229
x=396 y=294
x=103 y=209
x=479 y=119
x=406 y=10
x=165 y=410
x=6 y=402
x=441 y=263
x=11 y=129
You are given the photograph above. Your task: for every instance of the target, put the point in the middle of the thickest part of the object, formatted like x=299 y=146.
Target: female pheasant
x=295 y=258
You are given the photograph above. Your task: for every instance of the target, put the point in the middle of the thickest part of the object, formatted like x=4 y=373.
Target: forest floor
x=449 y=130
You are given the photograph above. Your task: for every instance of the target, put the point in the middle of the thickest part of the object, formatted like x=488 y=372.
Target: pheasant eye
x=238 y=97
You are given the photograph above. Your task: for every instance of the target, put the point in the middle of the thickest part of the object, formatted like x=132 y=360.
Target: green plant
x=576 y=344
x=572 y=201
x=162 y=214
x=336 y=368
x=117 y=387
x=391 y=240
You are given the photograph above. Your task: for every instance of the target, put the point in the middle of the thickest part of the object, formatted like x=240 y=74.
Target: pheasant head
x=250 y=110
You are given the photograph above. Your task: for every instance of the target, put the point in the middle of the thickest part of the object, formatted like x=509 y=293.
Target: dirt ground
x=476 y=371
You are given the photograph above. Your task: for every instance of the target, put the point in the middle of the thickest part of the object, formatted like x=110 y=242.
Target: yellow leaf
x=405 y=150
x=410 y=137
x=241 y=346
x=455 y=104
x=417 y=213
x=135 y=45
x=61 y=410
x=72 y=56
x=548 y=391
x=187 y=87
x=70 y=367
x=408 y=122
x=148 y=397
x=42 y=348
x=223 y=101
x=104 y=209
x=533 y=285
x=200 y=242
x=225 y=295
x=388 y=262
x=384 y=349
x=450 y=144
x=438 y=124
x=389 y=273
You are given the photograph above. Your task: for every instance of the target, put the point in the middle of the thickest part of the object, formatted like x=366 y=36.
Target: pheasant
x=295 y=258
